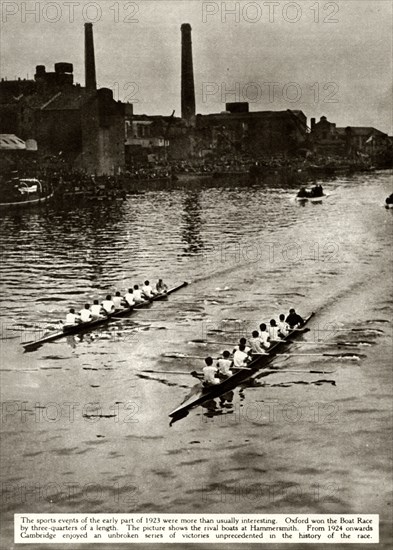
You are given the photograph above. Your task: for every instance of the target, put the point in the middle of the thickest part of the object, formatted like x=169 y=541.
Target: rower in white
x=242 y=342
x=264 y=336
x=161 y=287
x=224 y=365
x=209 y=373
x=129 y=297
x=147 y=290
x=71 y=318
x=108 y=305
x=85 y=314
x=283 y=327
x=273 y=331
x=97 y=310
x=240 y=357
x=117 y=300
x=256 y=344
x=138 y=298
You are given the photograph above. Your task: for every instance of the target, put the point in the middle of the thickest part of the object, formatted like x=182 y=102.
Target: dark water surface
x=85 y=430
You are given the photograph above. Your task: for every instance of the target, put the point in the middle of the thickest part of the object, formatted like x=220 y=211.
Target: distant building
x=84 y=125
x=349 y=141
x=160 y=137
x=257 y=133
x=14 y=151
x=363 y=139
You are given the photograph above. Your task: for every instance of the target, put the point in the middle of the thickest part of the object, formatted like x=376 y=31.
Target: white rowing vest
x=108 y=305
x=85 y=315
x=70 y=319
x=138 y=295
x=224 y=366
x=95 y=309
x=273 y=333
x=129 y=298
x=239 y=358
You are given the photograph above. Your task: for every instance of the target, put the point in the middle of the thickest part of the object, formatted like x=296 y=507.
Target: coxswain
x=147 y=290
x=256 y=344
x=209 y=373
x=85 y=314
x=117 y=300
x=294 y=320
x=302 y=193
x=273 y=331
x=96 y=310
x=71 y=319
x=138 y=298
x=129 y=298
x=240 y=357
x=224 y=365
x=161 y=287
x=264 y=336
x=283 y=328
x=108 y=305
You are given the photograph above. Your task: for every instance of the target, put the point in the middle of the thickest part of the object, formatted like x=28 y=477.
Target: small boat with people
x=246 y=362
x=389 y=201
x=24 y=192
x=110 y=309
x=312 y=194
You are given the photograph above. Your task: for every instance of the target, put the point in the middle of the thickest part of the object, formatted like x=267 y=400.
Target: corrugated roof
x=11 y=141
x=361 y=131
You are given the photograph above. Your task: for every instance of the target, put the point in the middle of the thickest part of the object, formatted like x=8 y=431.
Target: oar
x=346 y=356
x=278 y=371
x=316 y=329
x=346 y=330
x=184 y=356
x=200 y=341
x=17 y=329
x=322 y=343
x=208 y=342
x=195 y=373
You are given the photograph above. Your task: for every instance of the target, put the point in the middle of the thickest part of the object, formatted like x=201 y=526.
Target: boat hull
x=239 y=377
x=26 y=203
x=311 y=199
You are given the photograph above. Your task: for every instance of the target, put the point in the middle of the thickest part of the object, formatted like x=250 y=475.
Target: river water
x=84 y=429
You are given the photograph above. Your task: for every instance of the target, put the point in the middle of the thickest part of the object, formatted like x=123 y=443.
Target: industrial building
x=326 y=137
x=94 y=133
x=83 y=124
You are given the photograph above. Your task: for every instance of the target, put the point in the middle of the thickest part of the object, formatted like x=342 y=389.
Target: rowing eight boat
x=85 y=327
x=201 y=394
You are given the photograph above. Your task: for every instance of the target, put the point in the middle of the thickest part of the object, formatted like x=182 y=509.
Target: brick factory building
x=84 y=125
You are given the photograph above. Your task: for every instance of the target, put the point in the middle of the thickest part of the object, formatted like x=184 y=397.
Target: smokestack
x=90 y=64
x=187 y=75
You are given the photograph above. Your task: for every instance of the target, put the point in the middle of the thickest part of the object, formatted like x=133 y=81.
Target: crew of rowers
x=111 y=304
x=244 y=352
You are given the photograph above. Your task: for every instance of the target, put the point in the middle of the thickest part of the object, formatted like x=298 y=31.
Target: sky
x=324 y=58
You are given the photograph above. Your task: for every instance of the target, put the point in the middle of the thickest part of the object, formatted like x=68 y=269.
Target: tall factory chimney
x=187 y=75
x=90 y=64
